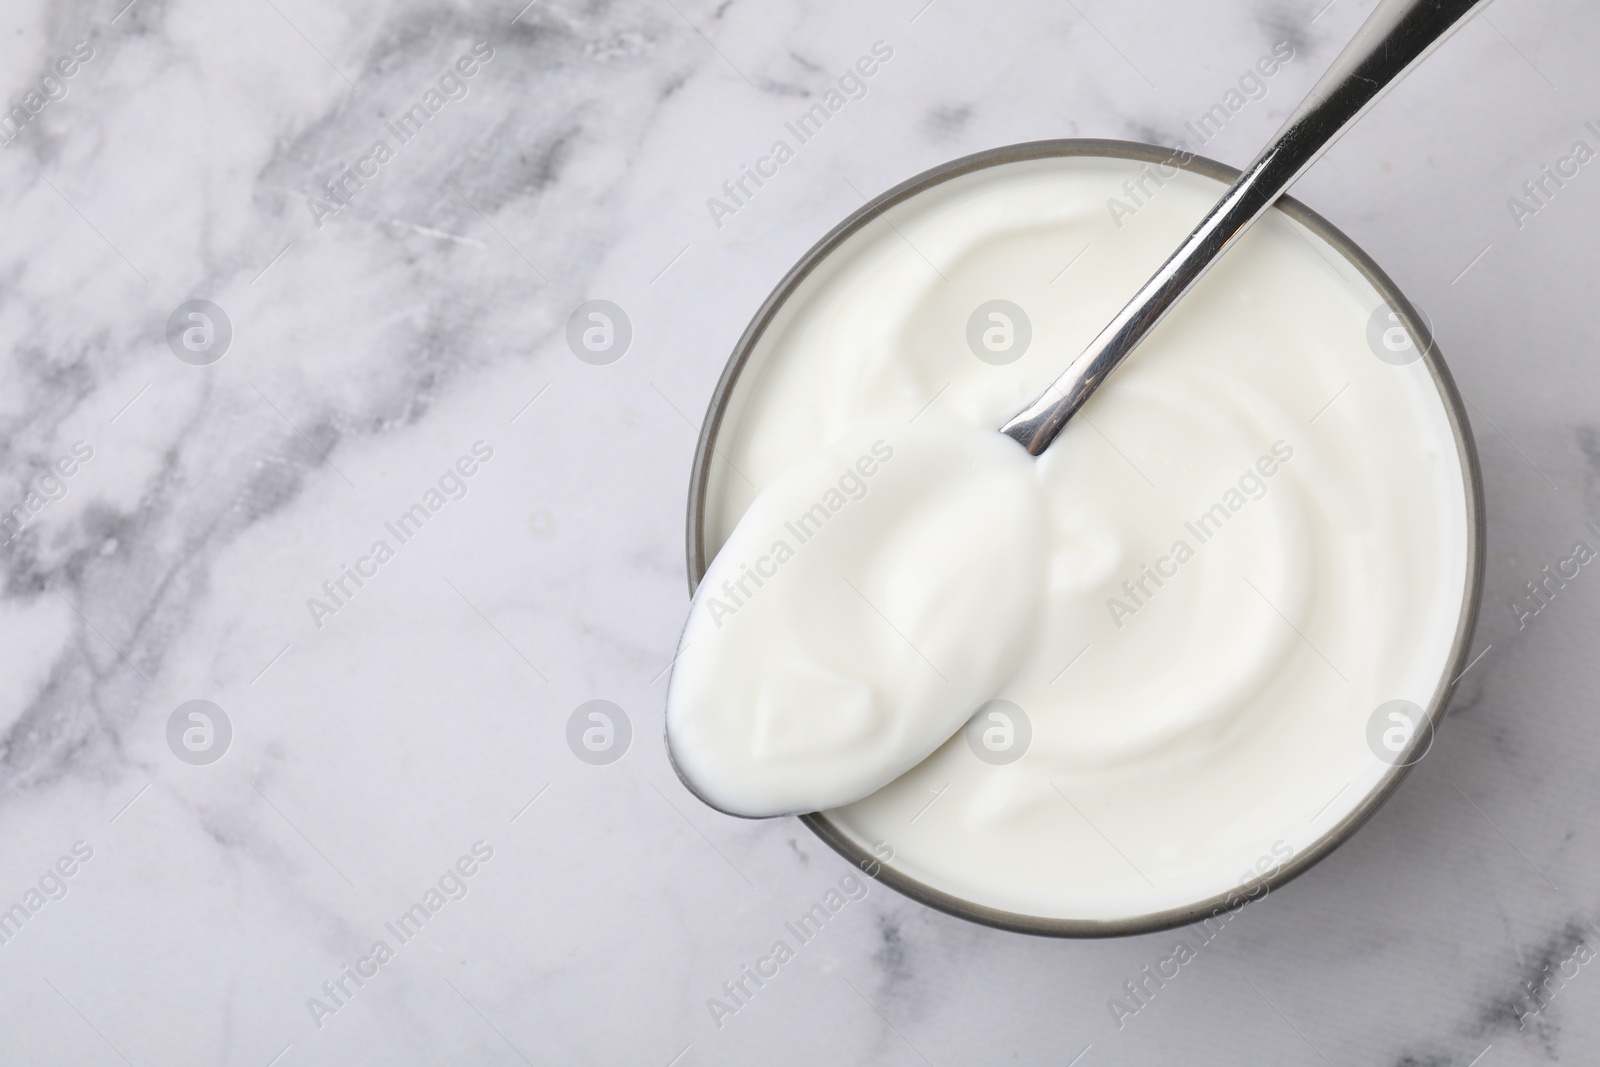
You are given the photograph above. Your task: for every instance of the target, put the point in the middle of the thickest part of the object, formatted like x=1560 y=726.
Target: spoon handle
x=1397 y=36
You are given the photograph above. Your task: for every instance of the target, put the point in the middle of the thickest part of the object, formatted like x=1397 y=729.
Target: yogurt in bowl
x=1260 y=559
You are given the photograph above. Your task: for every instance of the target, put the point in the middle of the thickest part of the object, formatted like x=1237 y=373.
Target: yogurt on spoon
x=871 y=598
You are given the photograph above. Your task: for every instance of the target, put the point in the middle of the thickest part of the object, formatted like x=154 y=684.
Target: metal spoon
x=1396 y=37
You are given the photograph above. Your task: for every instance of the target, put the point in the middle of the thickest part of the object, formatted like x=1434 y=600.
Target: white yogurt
x=1253 y=536
x=870 y=598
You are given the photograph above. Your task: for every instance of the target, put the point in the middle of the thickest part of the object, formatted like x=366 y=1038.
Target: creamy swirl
x=1257 y=531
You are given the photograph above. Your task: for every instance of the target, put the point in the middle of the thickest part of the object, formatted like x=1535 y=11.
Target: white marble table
x=377 y=336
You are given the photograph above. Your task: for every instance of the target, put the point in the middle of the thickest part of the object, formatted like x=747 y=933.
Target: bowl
x=879 y=862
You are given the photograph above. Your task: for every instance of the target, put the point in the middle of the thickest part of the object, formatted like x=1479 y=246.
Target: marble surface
x=416 y=726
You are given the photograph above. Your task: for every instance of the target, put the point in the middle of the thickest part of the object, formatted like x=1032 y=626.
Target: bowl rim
x=881 y=868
